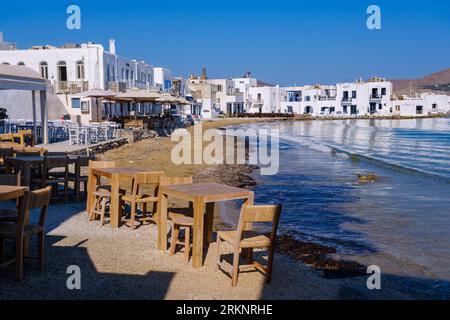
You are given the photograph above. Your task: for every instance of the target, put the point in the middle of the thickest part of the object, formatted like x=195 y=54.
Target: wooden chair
x=138 y=198
x=9 y=215
x=53 y=175
x=30 y=152
x=20 y=231
x=7 y=137
x=77 y=177
x=102 y=195
x=245 y=239
x=4 y=154
x=180 y=218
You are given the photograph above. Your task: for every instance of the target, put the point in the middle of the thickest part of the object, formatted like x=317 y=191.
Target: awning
x=138 y=96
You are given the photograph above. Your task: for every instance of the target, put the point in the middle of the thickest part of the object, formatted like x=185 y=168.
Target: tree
x=3 y=115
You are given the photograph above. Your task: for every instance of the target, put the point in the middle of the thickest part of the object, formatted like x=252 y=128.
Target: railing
x=71 y=87
x=117 y=86
x=347 y=99
x=375 y=96
x=327 y=98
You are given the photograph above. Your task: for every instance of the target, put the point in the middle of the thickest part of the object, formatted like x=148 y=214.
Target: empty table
x=202 y=195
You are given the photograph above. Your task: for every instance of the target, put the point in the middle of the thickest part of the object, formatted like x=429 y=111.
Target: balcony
x=327 y=98
x=376 y=97
x=71 y=87
x=347 y=100
x=117 y=86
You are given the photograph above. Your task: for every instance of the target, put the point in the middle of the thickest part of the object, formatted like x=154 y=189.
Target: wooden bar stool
x=177 y=223
x=99 y=208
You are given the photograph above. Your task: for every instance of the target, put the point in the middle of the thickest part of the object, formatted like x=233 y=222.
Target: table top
x=11 y=192
x=108 y=172
x=38 y=158
x=207 y=191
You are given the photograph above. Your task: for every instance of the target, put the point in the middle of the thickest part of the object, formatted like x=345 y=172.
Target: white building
x=229 y=98
x=424 y=105
x=266 y=99
x=163 y=79
x=74 y=68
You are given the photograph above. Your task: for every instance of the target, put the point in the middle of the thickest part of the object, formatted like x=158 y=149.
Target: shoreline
x=312 y=256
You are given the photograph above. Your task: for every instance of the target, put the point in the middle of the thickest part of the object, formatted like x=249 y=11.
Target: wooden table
x=25 y=163
x=115 y=175
x=201 y=195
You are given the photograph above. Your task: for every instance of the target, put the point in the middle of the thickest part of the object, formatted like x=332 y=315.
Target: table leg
x=162 y=222
x=26 y=174
x=209 y=222
x=115 y=214
x=92 y=184
x=197 y=245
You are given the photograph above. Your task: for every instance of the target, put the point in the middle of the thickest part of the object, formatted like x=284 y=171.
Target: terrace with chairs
x=177 y=213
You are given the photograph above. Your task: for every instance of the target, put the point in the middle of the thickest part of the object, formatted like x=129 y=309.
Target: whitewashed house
x=74 y=68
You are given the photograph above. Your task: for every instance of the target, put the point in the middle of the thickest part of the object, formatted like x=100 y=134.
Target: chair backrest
x=84 y=161
x=10 y=179
x=40 y=199
x=258 y=214
x=5 y=153
x=148 y=179
x=55 y=163
x=7 y=137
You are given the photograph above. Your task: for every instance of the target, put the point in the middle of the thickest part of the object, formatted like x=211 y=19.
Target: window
x=62 y=71
x=354 y=94
x=219 y=88
x=380 y=106
x=43 y=68
x=80 y=70
x=383 y=91
x=76 y=103
x=434 y=106
x=397 y=108
x=5 y=63
x=21 y=64
x=85 y=106
x=419 y=109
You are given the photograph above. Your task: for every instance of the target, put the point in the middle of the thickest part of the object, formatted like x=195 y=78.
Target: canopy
x=96 y=93
x=138 y=96
x=23 y=78
x=20 y=78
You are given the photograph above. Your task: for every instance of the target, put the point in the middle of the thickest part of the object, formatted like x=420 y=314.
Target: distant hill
x=438 y=82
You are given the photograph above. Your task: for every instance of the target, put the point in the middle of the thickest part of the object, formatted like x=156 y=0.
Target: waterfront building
x=74 y=68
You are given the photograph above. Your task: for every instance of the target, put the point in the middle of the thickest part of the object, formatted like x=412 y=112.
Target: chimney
x=204 y=76
x=112 y=46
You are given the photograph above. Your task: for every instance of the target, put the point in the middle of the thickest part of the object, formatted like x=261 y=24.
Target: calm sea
x=401 y=222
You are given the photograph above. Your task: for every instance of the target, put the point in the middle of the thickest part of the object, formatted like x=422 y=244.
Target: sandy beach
x=125 y=264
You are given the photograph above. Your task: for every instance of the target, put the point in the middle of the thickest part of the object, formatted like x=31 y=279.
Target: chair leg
x=102 y=214
x=187 y=243
x=133 y=215
x=77 y=189
x=1 y=250
x=19 y=259
x=219 y=244
x=234 y=279
x=66 y=191
x=269 y=265
x=41 y=240
x=173 y=241
x=92 y=214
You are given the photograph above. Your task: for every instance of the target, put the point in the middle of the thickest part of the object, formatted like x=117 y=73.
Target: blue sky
x=284 y=42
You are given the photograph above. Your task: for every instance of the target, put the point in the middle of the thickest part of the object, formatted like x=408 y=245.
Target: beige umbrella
x=97 y=94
